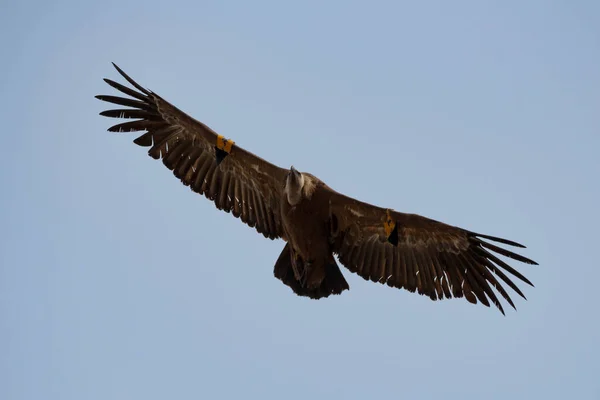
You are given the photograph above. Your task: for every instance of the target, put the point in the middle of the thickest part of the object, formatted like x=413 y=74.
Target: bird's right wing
x=236 y=180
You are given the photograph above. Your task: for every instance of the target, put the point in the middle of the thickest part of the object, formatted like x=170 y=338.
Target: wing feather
x=241 y=182
x=427 y=256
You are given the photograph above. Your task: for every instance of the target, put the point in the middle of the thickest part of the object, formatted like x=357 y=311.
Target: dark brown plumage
x=382 y=245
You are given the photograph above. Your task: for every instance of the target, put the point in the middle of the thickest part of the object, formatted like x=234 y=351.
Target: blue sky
x=117 y=282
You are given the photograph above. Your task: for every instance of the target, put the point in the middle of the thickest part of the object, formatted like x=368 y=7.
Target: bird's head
x=294 y=183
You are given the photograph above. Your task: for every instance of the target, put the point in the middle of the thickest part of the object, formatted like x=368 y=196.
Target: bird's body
x=307 y=231
x=382 y=245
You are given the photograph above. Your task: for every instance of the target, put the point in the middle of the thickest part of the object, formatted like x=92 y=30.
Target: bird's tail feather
x=333 y=282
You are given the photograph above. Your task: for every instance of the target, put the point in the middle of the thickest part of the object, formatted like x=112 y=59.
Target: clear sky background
x=117 y=282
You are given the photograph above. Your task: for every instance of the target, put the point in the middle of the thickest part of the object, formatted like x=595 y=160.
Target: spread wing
x=419 y=254
x=236 y=180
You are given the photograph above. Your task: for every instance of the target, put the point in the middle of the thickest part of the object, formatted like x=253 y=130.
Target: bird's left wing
x=236 y=180
x=420 y=254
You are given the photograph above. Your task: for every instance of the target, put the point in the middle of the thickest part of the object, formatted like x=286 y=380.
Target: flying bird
x=317 y=223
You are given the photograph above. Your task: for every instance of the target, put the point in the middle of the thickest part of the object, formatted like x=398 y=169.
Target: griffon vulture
x=316 y=222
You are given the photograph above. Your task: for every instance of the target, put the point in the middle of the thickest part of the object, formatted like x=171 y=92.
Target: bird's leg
x=305 y=272
x=296 y=261
x=301 y=269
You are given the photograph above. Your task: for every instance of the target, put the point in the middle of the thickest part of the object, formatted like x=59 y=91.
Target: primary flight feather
x=316 y=222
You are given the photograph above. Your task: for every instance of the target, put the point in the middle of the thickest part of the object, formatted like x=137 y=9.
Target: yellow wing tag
x=224 y=144
x=223 y=148
x=391 y=230
x=389 y=224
